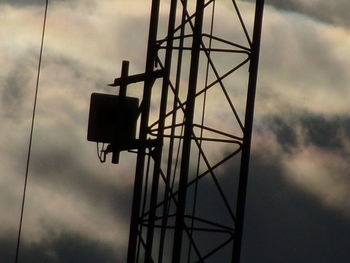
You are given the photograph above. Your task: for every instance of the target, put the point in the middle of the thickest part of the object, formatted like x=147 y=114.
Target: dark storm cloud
x=23 y=2
x=286 y=135
x=28 y=2
x=297 y=205
x=66 y=248
x=327 y=133
x=285 y=224
x=335 y=12
x=61 y=170
x=13 y=92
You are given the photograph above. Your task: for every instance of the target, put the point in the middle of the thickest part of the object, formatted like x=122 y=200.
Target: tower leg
x=186 y=150
x=248 y=127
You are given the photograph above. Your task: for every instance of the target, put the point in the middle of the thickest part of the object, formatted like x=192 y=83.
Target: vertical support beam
x=122 y=95
x=123 y=76
x=189 y=115
x=146 y=100
x=167 y=191
x=248 y=127
x=157 y=153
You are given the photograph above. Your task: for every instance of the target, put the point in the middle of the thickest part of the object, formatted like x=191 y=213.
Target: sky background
x=77 y=210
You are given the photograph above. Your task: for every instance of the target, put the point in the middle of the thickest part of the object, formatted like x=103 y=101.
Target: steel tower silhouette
x=194 y=131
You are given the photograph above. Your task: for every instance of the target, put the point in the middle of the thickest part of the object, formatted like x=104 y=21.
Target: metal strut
x=146 y=100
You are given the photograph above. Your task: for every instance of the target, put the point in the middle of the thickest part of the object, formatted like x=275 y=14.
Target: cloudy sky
x=77 y=209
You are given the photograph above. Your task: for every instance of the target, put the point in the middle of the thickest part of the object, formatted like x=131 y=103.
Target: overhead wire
x=31 y=133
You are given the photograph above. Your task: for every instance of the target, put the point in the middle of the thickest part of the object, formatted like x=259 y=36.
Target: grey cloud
x=303 y=66
x=299 y=53
x=277 y=210
x=57 y=167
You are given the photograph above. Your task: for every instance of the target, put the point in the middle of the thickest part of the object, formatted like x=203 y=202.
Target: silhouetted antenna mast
x=192 y=160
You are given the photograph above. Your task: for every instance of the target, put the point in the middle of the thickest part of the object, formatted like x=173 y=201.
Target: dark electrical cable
x=31 y=133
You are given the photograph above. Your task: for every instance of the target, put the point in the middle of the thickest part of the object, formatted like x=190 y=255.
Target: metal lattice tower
x=195 y=127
